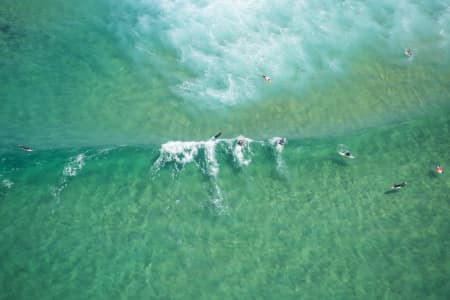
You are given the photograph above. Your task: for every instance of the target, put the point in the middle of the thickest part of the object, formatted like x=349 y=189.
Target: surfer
x=217 y=135
x=346 y=154
x=267 y=78
x=439 y=169
x=240 y=143
x=398 y=186
x=408 y=52
x=25 y=148
x=282 y=141
x=344 y=151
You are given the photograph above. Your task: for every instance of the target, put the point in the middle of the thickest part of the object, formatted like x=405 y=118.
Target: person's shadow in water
x=339 y=161
x=432 y=174
x=391 y=191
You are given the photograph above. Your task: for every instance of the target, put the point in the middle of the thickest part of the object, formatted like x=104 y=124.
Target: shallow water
x=126 y=195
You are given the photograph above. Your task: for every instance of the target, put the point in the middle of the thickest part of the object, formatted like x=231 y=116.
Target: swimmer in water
x=217 y=135
x=409 y=52
x=267 y=78
x=439 y=169
x=25 y=148
x=398 y=186
x=240 y=143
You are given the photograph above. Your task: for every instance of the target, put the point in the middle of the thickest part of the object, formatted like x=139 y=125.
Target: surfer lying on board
x=439 y=169
x=398 y=186
x=346 y=154
x=267 y=78
x=217 y=135
x=25 y=148
x=344 y=151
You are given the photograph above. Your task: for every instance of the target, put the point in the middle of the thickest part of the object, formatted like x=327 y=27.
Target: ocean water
x=126 y=195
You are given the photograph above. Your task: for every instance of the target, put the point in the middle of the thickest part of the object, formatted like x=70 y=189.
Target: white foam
x=227 y=45
x=7 y=183
x=275 y=142
x=210 y=153
x=74 y=165
x=182 y=153
x=217 y=201
x=242 y=154
x=57 y=190
x=185 y=152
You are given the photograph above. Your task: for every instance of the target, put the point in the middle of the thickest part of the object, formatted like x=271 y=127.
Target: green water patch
x=321 y=227
x=89 y=75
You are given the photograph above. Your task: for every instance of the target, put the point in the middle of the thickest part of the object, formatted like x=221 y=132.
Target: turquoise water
x=126 y=195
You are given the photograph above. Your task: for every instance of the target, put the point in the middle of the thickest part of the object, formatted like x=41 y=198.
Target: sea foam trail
x=278 y=148
x=180 y=153
x=74 y=166
x=242 y=152
x=228 y=45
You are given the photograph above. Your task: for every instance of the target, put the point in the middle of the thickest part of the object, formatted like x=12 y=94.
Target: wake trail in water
x=242 y=153
x=278 y=144
x=179 y=153
x=73 y=167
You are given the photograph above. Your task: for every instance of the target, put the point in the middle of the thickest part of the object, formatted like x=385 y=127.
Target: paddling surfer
x=346 y=154
x=398 y=186
x=25 y=148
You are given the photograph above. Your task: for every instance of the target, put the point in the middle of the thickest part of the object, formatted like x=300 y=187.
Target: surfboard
x=25 y=148
x=346 y=156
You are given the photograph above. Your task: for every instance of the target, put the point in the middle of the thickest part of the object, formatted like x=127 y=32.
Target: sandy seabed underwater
x=126 y=195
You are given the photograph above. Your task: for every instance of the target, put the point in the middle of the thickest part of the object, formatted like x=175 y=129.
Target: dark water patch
x=392 y=191
x=432 y=174
x=5 y=28
x=339 y=161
